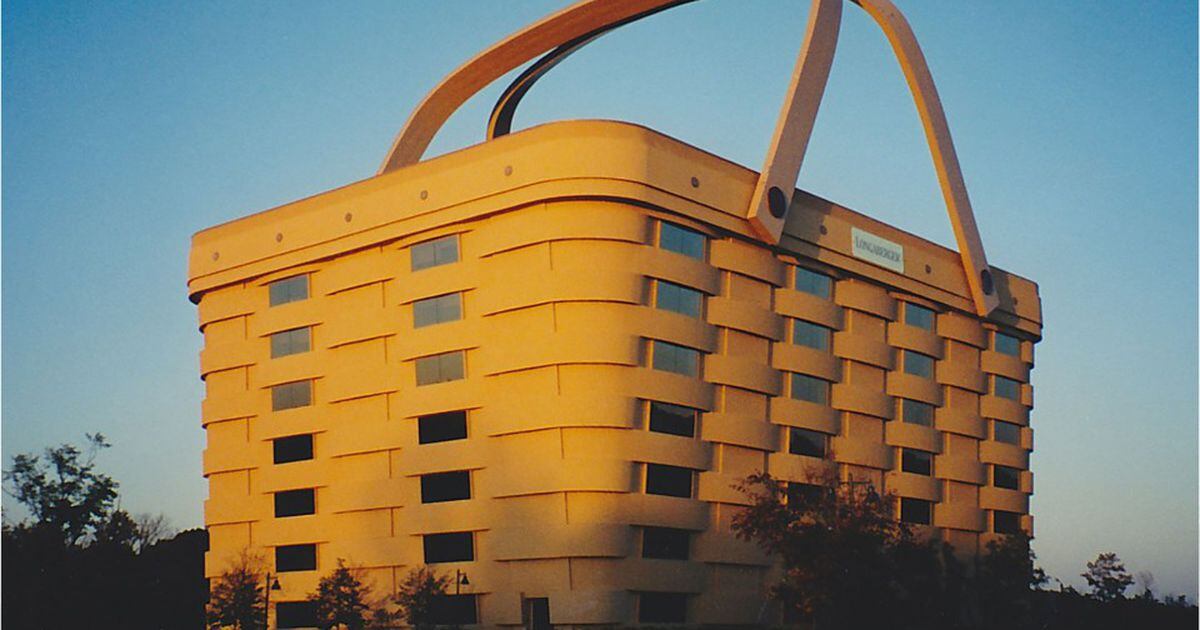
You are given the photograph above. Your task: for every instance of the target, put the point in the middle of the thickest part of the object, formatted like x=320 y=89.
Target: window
x=295 y=503
x=447 y=486
x=681 y=240
x=678 y=299
x=287 y=290
x=662 y=607
x=806 y=494
x=672 y=358
x=917 y=511
x=453 y=547
x=295 y=558
x=807 y=442
x=810 y=388
x=917 y=364
x=291 y=395
x=441 y=251
x=671 y=481
x=1006 y=344
x=916 y=412
x=440 y=368
x=814 y=283
x=296 y=615
x=442 y=427
x=919 y=316
x=1006 y=432
x=295 y=448
x=1005 y=387
x=665 y=543
x=292 y=341
x=1006 y=522
x=453 y=610
x=916 y=462
x=435 y=310
x=811 y=335
x=1005 y=477
x=673 y=419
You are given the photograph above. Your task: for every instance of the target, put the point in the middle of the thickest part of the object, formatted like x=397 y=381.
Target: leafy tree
x=62 y=489
x=1007 y=578
x=418 y=595
x=1107 y=577
x=842 y=549
x=238 y=598
x=341 y=600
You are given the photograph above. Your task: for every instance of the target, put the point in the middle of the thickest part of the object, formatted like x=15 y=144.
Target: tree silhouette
x=418 y=596
x=341 y=600
x=238 y=598
x=1107 y=577
x=62 y=490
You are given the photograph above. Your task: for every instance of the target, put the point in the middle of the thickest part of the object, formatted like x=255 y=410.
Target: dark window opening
x=296 y=615
x=916 y=462
x=441 y=251
x=295 y=503
x=453 y=547
x=1006 y=522
x=681 y=240
x=919 y=316
x=916 y=412
x=662 y=607
x=806 y=495
x=813 y=283
x=918 y=511
x=291 y=395
x=296 y=448
x=295 y=558
x=671 y=481
x=1006 y=432
x=454 y=610
x=665 y=543
x=287 y=290
x=1005 y=477
x=807 y=442
x=442 y=427
x=448 y=486
x=673 y=419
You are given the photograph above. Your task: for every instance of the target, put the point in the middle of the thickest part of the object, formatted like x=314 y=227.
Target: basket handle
x=569 y=29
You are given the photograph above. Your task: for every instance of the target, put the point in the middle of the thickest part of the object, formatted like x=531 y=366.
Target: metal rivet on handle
x=985 y=278
x=349 y=217
x=695 y=182
x=279 y=237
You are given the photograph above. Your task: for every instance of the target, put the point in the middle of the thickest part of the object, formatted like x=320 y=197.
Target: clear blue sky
x=127 y=126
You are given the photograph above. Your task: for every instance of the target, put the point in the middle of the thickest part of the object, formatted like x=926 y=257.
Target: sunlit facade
x=544 y=361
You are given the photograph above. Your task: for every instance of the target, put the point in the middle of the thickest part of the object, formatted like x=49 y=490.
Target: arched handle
x=563 y=32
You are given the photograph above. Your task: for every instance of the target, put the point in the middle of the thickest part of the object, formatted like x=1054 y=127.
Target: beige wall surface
x=559 y=267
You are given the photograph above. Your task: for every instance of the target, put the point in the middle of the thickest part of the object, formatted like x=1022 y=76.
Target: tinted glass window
x=295 y=558
x=916 y=462
x=673 y=419
x=681 y=240
x=662 y=607
x=442 y=427
x=453 y=547
x=295 y=503
x=810 y=388
x=1006 y=432
x=440 y=368
x=665 y=543
x=448 y=486
x=291 y=395
x=1006 y=344
x=291 y=342
x=435 y=310
x=287 y=290
x=916 y=511
x=453 y=610
x=1006 y=387
x=679 y=299
x=817 y=284
x=919 y=316
x=811 y=335
x=296 y=615
x=807 y=442
x=916 y=412
x=671 y=481
x=801 y=495
x=295 y=448
x=442 y=251
x=917 y=364
x=678 y=359
x=1005 y=477
x=1006 y=522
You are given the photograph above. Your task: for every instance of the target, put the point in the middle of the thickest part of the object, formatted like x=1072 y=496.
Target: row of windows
x=440 y=427
x=920 y=512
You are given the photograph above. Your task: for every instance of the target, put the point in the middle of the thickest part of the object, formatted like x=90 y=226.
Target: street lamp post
x=271 y=586
x=460 y=580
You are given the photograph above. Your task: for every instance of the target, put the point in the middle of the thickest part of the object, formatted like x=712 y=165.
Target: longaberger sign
x=876 y=250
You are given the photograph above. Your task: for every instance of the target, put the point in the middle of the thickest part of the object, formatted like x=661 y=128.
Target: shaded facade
x=543 y=362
